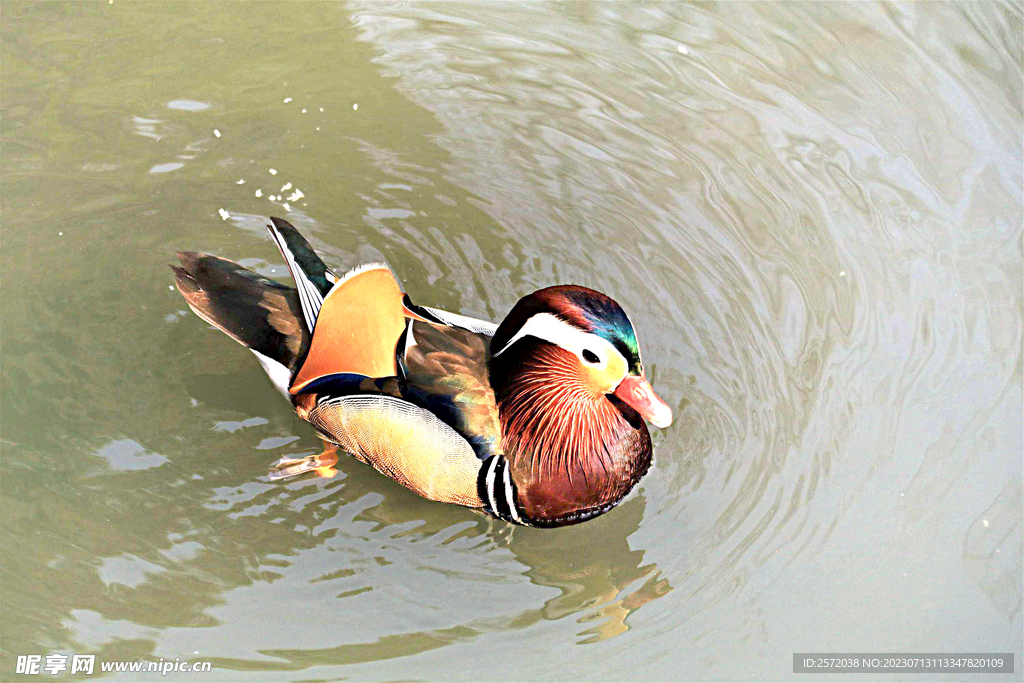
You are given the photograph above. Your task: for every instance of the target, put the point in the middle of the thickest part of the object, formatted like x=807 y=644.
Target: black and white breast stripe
x=497 y=490
x=309 y=295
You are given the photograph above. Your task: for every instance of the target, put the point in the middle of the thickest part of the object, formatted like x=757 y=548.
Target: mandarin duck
x=538 y=421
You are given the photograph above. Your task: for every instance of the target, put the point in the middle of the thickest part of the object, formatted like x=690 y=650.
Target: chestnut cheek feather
x=572 y=450
x=553 y=409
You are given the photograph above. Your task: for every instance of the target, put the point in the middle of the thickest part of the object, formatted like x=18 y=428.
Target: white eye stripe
x=553 y=329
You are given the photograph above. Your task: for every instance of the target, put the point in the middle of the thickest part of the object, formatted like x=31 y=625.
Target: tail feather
x=311 y=275
x=259 y=313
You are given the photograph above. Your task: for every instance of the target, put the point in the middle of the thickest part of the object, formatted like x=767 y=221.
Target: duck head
x=582 y=339
x=572 y=399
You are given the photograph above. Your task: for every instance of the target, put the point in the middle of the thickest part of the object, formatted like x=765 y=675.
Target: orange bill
x=636 y=392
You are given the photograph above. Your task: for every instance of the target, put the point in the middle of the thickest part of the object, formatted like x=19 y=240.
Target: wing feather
x=445 y=371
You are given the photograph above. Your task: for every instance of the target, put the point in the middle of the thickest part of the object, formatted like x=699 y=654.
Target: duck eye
x=590 y=356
